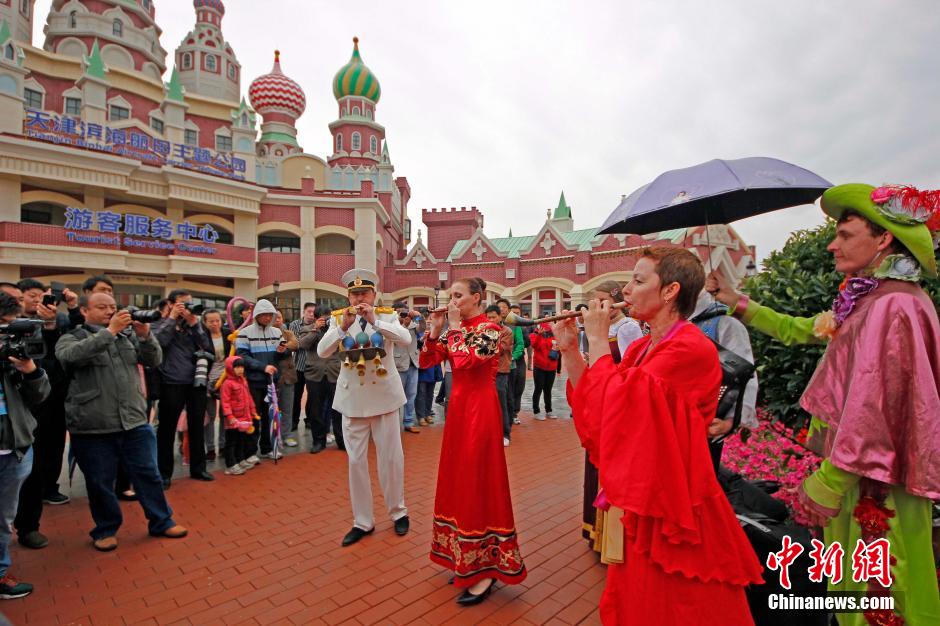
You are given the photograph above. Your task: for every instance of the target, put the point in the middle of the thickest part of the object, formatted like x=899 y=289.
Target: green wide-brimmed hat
x=913 y=233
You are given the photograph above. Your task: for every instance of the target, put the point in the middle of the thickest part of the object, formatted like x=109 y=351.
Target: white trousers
x=386 y=432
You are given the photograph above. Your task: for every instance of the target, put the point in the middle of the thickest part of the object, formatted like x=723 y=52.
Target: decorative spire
x=562 y=211
x=510 y=232
x=94 y=64
x=355 y=79
x=174 y=88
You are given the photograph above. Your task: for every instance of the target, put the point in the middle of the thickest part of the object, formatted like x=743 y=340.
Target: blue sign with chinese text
x=117 y=229
x=130 y=142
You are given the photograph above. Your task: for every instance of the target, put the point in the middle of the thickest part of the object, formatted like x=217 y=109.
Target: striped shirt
x=300 y=356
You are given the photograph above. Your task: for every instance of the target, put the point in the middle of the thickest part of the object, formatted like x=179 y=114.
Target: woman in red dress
x=474 y=534
x=643 y=423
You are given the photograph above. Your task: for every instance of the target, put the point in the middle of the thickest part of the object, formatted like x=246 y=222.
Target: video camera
x=22 y=339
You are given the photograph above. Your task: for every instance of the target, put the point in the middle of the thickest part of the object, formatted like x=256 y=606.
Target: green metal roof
x=174 y=88
x=4 y=32
x=94 y=64
x=562 y=211
x=512 y=246
x=275 y=137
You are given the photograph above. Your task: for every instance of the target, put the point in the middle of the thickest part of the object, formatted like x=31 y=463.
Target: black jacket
x=179 y=343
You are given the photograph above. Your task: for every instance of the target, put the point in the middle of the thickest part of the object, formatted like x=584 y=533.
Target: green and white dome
x=355 y=79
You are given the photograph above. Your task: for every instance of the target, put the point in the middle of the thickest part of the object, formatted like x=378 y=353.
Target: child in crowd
x=239 y=411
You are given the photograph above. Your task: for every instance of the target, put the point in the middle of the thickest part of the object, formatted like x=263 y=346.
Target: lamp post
x=277 y=288
x=437 y=293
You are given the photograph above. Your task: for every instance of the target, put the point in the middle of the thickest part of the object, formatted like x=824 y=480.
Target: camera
x=49 y=300
x=22 y=339
x=144 y=316
x=195 y=309
x=203 y=359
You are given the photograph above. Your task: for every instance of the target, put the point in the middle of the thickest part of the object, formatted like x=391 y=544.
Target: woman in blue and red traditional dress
x=643 y=422
x=474 y=534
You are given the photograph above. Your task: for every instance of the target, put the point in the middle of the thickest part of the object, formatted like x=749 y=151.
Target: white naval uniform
x=369 y=405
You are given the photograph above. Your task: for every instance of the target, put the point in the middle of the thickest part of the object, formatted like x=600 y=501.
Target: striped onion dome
x=355 y=79
x=277 y=92
x=211 y=4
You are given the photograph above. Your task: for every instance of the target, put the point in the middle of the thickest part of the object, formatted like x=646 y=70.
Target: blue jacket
x=257 y=345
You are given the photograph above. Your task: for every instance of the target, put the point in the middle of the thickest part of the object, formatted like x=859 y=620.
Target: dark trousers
x=320 y=412
x=714 y=450
x=517 y=385
x=424 y=399
x=299 y=387
x=173 y=399
x=544 y=381
x=502 y=390
x=261 y=438
x=48 y=448
x=236 y=444
x=99 y=457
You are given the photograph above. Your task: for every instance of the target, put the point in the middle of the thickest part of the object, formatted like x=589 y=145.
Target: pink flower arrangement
x=773 y=452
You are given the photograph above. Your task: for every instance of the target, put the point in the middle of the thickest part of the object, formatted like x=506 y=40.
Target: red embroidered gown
x=474 y=533
x=643 y=423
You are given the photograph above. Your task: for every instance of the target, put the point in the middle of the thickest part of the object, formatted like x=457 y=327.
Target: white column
x=365 y=241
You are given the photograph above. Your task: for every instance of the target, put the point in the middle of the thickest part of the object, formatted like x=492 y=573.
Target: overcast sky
x=502 y=105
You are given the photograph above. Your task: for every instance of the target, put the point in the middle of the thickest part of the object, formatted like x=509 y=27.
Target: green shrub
x=800 y=279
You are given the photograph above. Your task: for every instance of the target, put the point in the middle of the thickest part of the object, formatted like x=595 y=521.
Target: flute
x=514 y=320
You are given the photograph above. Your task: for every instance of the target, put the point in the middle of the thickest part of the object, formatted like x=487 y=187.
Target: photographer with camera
x=40 y=303
x=107 y=416
x=181 y=336
x=23 y=386
x=95 y=284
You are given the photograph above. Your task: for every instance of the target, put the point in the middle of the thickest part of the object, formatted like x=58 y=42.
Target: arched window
x=244 y=119
x=279 y=242
x=187 y=61
x=210 y=62
x=9 y=52
x=356 y=141
x=24 y=7
x=339 y=143
x=117 y=28
x=373 y=145
x=355 y=111
x=231 y=71
x=73 y=19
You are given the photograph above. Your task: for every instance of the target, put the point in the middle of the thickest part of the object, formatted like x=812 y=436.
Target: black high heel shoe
x=469 y=599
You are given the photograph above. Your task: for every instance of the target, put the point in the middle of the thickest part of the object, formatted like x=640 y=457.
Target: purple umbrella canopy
x=715 y=192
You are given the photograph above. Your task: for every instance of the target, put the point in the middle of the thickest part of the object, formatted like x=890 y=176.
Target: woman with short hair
x=643 y=421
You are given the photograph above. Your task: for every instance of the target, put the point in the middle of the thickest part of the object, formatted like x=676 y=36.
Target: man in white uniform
x=369 y=401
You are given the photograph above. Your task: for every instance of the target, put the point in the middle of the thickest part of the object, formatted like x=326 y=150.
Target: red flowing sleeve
x=433 y=353
x=644 y=429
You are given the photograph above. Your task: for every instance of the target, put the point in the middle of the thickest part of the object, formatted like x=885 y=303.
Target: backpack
x=736 y=371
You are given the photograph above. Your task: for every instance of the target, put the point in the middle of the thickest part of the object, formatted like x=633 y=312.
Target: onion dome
x=210 y=4
x=277 y=92
x=355 y=79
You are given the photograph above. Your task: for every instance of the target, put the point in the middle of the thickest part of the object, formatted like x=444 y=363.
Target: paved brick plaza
x=264 y=548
